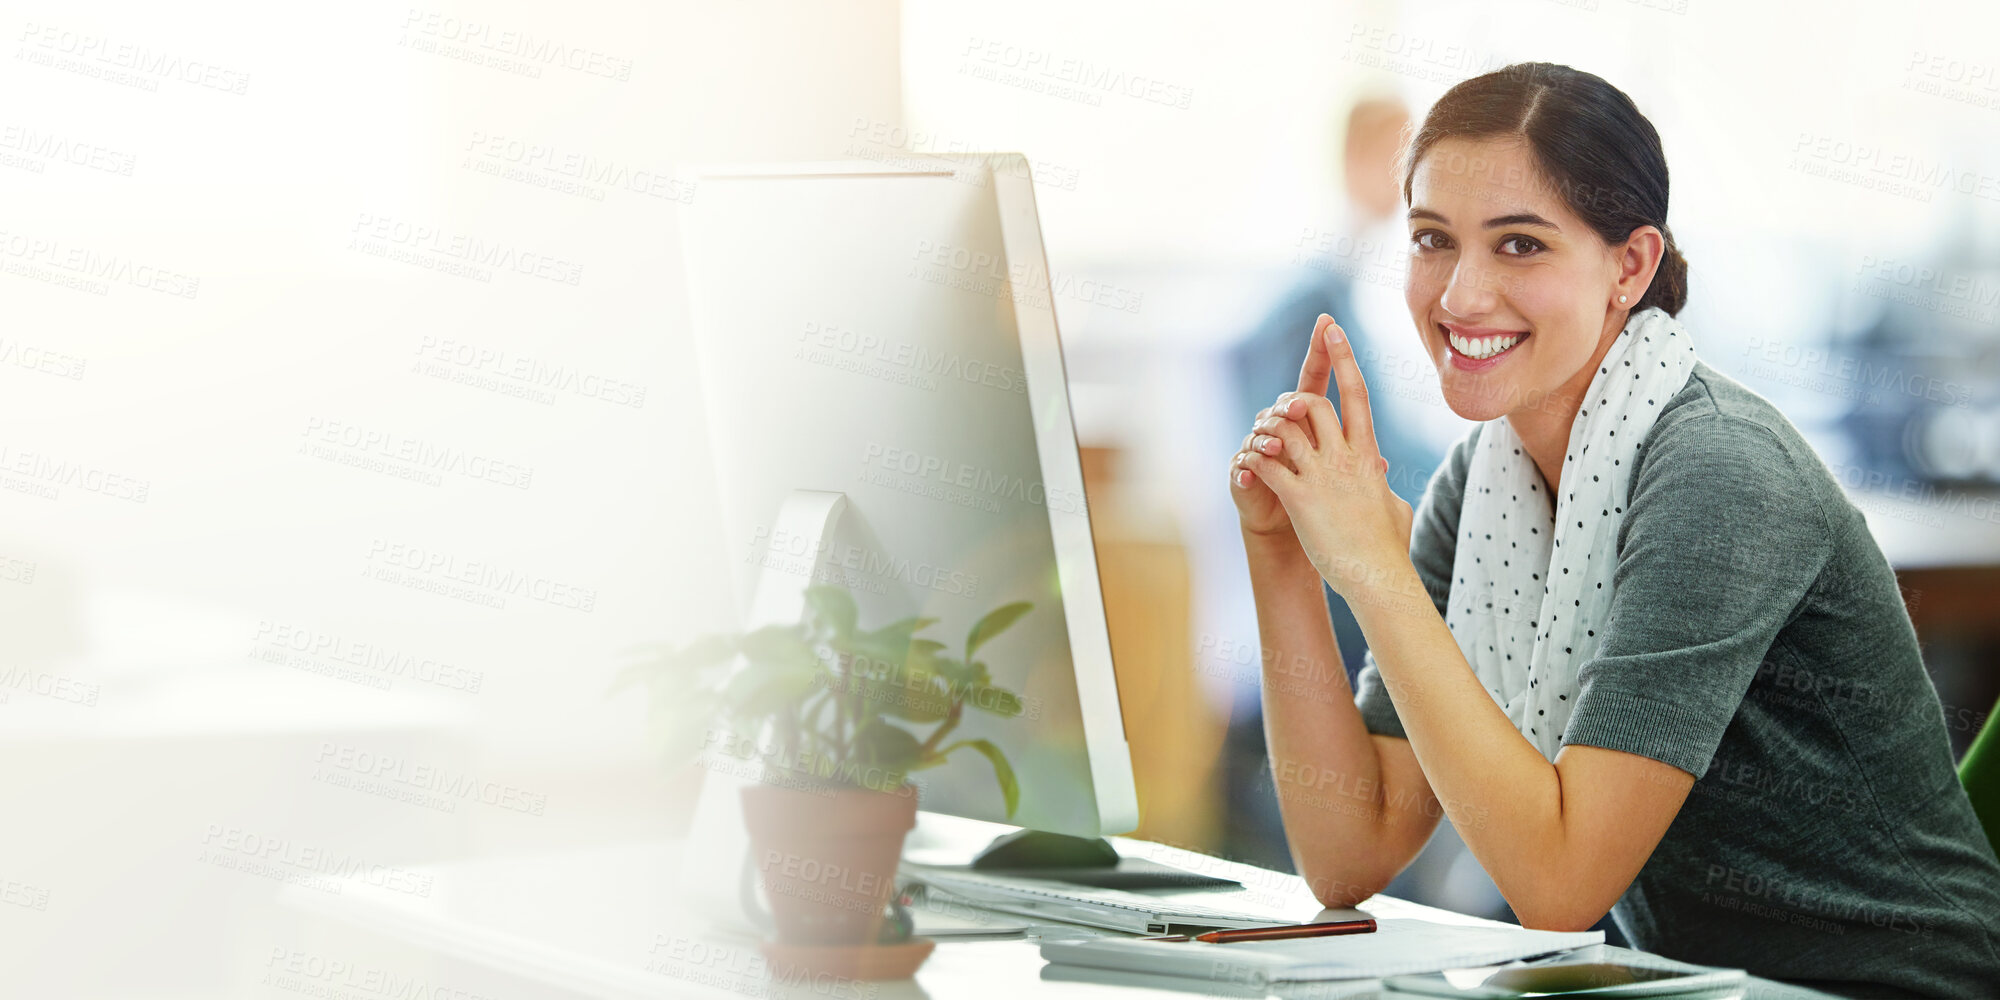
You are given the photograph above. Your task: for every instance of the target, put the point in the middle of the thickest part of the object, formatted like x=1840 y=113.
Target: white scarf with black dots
x=1528 y=594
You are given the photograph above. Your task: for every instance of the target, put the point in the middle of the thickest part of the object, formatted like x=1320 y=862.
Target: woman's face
x=1497 y=258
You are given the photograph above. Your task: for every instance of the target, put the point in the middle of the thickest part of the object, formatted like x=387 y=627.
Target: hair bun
x=1670 y=282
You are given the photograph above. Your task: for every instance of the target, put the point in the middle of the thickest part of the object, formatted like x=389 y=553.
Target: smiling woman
x=1578 y=643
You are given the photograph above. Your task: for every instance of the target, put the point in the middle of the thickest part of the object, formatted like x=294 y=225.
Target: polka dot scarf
x=1532 y=580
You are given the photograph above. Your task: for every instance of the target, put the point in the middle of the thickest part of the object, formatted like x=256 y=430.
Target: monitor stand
x=717 y=872
x=1089 y=861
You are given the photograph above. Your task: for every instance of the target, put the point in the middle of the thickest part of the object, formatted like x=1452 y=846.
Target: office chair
x=1979 y=772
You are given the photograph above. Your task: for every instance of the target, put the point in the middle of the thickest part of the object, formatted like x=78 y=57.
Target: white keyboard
x=1110 y=909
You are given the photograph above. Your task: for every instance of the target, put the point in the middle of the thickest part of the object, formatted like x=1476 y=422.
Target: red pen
x=1327 y=929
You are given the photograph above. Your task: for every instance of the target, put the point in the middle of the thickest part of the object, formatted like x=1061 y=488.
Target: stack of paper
x=1396 y=947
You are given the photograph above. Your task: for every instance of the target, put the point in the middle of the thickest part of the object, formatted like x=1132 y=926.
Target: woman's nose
x=1471 y=291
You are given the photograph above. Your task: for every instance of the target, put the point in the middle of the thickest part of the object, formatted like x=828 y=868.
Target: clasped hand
x=1303 y=471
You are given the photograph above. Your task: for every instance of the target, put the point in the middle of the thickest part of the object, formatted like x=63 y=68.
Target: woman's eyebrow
x=1516 y=219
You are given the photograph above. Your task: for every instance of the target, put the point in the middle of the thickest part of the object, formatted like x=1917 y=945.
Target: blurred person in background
x=1721 y=732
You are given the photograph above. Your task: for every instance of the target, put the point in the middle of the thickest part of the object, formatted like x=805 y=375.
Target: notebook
x=1397 y=947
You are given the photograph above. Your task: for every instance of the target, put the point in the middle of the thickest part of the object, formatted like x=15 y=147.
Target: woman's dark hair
x=1589 y=140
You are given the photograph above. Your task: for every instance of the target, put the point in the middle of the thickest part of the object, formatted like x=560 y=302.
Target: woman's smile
x=1477 y=348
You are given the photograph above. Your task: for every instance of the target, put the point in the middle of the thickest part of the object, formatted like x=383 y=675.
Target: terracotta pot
x=826 y=857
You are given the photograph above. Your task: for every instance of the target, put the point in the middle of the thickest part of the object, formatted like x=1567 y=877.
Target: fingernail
x=1333 y=333
x=1242 y=478
x=1284 y=409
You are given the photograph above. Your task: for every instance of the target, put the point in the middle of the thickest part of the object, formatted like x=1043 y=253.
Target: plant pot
x=826 y=857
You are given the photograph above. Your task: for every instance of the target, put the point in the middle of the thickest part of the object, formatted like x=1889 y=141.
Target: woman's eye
x=1527 y=245
x=1430 y=239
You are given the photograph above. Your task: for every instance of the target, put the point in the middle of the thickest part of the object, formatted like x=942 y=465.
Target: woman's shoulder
x=1718 y=427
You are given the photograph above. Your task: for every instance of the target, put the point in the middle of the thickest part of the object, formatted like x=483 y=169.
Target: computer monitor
x=887 y=411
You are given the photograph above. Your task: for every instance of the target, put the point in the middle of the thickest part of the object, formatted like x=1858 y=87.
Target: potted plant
x=849 y=714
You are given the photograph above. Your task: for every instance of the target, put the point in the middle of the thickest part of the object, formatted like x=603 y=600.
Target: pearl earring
x=1621 y=300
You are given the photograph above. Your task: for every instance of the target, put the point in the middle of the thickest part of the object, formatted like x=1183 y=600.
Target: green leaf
x=1010 y=789
x=958 y=672
x=765 y=686
x=918 y=698
x=995 y=622
x=889 y=747
x=784 y=644
x=890 y=644
x=923 y=656
x=833 y=605
x=995 y=700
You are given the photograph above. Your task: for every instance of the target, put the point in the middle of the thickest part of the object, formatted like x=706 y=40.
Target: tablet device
x=1566 y=979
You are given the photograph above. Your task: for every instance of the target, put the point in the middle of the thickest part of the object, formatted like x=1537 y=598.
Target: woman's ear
x=1635 y=262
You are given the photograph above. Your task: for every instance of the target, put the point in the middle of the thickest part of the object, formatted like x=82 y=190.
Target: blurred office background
x=282 y=494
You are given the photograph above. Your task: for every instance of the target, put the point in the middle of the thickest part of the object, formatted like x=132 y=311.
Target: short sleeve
x=1433 y=545
x=1724 y=537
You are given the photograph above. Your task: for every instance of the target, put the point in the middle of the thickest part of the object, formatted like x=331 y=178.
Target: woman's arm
x=1562 y=840
x=1356 y=807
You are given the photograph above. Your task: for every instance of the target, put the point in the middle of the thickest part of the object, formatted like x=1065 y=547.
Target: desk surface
x=604 y=921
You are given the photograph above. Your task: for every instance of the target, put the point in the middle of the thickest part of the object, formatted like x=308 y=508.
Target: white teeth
x=1483 y=347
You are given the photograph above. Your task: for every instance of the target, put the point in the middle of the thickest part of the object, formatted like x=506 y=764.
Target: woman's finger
x=1283 y=408
x=1254 y=445
x=1297 y=443
x=1317 y=415
x=1273 y=446
x=1356 y=418
x=1272 y=471
x=1313 y=373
